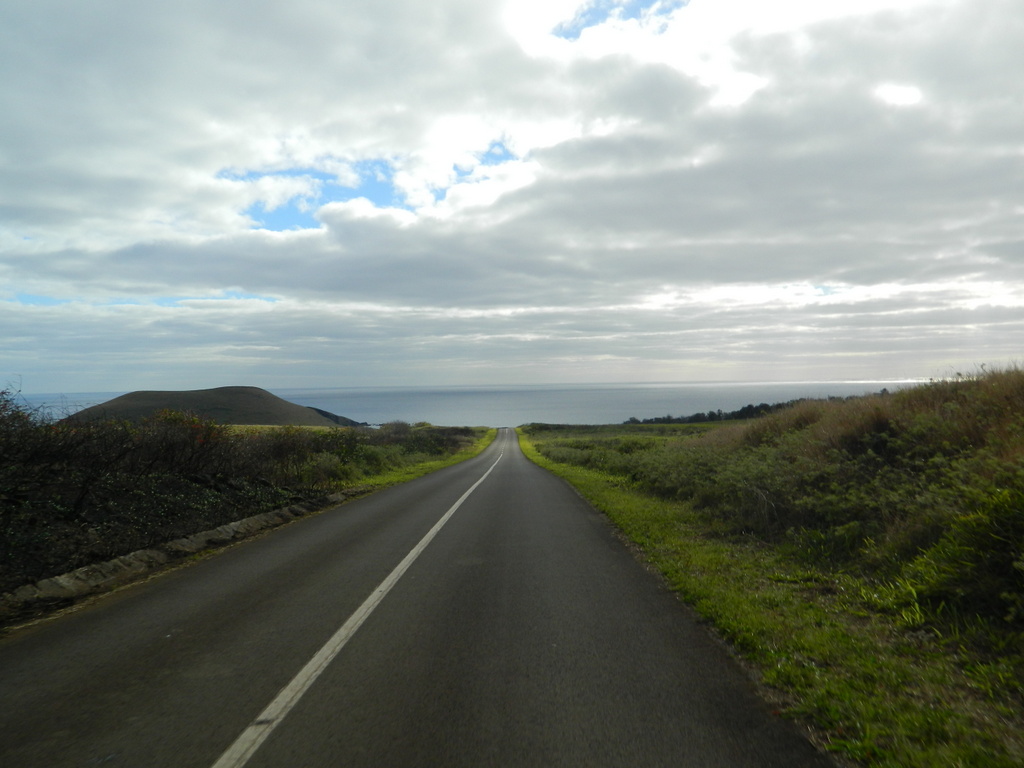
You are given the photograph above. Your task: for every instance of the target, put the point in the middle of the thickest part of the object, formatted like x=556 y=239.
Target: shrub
x=978 y=564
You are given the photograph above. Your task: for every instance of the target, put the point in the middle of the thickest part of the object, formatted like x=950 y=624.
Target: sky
x=397 y=192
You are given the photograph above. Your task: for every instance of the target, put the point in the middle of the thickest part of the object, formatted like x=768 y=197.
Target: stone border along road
x=53 y=592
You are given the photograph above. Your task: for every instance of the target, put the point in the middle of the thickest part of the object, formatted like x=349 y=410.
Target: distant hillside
x=225 y=405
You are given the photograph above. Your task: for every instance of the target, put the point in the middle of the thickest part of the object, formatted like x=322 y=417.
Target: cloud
x=493 y=191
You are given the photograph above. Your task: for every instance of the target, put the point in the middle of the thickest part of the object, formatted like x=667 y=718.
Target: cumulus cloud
x=483 y=192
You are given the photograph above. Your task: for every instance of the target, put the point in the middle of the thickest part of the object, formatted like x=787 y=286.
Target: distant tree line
x=746 y=412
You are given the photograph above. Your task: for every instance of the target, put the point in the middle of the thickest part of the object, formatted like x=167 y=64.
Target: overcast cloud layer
x=361 y=192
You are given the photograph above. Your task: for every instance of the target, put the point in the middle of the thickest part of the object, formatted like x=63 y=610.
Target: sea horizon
x=499 y=405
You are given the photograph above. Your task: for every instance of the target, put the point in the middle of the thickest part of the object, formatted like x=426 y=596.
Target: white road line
x=238 y=754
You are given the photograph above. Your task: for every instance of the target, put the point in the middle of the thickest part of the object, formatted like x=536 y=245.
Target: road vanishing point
x=483 y=615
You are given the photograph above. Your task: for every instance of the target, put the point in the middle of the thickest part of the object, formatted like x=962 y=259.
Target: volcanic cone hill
x=225 y=405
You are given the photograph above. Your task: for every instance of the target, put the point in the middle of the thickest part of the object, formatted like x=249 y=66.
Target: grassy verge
x=404 y=474
x=876 y=692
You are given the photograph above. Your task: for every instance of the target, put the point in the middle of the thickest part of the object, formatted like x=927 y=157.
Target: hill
x=225 y=405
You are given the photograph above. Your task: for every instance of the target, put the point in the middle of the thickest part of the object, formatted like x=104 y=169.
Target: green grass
x=828 y=652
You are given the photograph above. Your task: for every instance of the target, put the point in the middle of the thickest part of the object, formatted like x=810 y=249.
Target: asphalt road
x=522 y=634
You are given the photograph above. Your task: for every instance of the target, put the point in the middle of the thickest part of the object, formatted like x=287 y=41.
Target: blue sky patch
x=35 y=300
x=295 y=214
x=377 y=177
x=599 y=11
x=376 y=185
x=31 y=299
x=496 y=154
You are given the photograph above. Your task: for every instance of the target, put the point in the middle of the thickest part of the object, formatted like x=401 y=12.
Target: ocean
x=510 y=406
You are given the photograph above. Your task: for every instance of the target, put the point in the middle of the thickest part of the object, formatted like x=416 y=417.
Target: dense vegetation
x=73 y=493
x=924 y=486
x=897 y=517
